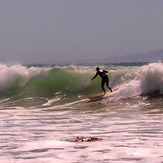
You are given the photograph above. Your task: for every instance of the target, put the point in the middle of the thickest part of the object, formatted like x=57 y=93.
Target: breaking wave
x=74 y=81
x=144 y=80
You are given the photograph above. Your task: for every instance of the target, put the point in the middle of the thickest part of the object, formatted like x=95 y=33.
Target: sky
x=59 y=31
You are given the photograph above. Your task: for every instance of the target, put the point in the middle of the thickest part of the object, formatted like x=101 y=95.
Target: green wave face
x=57 y=80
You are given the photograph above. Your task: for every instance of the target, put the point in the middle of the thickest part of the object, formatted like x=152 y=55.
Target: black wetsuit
x=104 y=78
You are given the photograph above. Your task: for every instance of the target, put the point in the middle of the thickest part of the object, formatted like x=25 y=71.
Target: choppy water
x=40 y=115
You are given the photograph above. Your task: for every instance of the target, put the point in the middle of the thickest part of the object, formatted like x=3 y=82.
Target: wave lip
x=15 y=78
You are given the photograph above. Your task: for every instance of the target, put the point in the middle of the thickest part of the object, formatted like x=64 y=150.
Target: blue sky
x=56 y=31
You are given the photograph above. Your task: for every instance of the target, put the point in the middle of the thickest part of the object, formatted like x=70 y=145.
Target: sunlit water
x=34 y=130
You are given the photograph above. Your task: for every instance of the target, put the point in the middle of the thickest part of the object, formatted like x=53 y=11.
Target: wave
x=74 y=81
x=42 y=81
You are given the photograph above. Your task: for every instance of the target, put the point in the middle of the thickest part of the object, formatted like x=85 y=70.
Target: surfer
x=104 y=78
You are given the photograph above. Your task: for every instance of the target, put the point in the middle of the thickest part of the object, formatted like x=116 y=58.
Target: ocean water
x=43 y=109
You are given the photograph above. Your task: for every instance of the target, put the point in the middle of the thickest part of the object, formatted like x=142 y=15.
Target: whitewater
x=45 y=110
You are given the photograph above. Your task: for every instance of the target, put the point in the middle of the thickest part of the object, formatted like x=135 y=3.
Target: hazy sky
x=54 y=31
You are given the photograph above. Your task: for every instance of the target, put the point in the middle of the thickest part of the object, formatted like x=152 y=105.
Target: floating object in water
x=85 y=139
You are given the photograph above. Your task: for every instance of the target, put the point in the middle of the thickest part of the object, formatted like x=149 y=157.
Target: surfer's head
x=97 y=68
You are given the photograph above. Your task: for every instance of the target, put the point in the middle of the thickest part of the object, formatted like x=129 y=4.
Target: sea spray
x=151 y=78
x=143 y=80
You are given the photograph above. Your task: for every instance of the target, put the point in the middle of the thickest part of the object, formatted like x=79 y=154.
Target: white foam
x=9 y=74
x=42 y=145
x=51 y=101
x=145 y=80
x=151 y=77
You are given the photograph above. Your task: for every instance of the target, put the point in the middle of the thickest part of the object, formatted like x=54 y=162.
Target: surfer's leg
x=102 y=86
x=107 y=84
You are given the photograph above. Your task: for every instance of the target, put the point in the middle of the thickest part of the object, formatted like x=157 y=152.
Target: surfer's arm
x=105 y=71
x=94 y=76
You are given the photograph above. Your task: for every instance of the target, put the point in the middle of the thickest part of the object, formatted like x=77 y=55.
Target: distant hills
x=152 y=56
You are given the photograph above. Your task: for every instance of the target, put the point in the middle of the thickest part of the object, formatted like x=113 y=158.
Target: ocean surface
x=45 y=110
